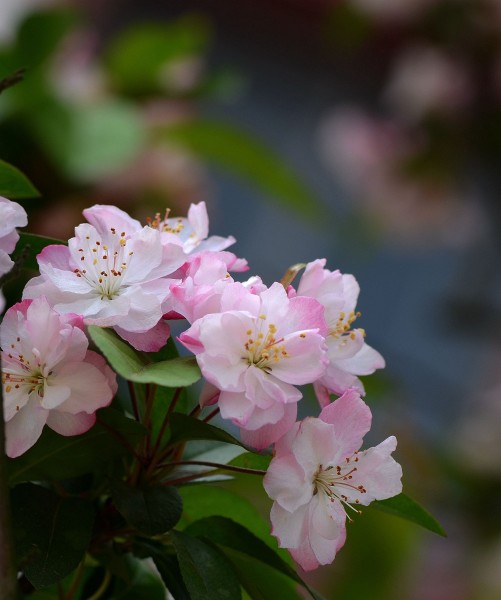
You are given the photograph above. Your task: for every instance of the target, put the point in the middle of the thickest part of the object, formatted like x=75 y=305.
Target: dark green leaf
x=406 y=508
x=14 y=185
x=207 y=573
x=177 y=372
x=58 y=457
x=227 y=532
x=29 y=246
x=151 y=510
x=51 y=533
x=167 y=564
x=185 y=428
x=260 y=581
x=140 y=582
x=40 y=34
x=246 y=156
x=222 y=502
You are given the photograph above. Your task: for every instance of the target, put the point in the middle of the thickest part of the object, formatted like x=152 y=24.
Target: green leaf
x=151 y=510
x=88 y=142
x=216 y=501
x=251 y=460
x=138 y=60
x=51 y=533
x=260 y=581
x=40 y=34
x=139 y=581
x=177 y=372
x=185 y=428
x=227 y=532
x=29 y=246
x=207 y=573
x=58 y=457
x=122 y=357
x=167 y=565
x=14 y=185
x=244 y=155
x=406 y=508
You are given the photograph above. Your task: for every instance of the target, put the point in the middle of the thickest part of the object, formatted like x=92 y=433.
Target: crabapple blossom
x=112 y=278
x=192 y=231
x=204 y=281
x=12 y=215
x=318 y=473
x=349 y=355
x=256 y=350
x=49 y=376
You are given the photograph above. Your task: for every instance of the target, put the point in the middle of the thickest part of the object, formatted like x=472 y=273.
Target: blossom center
x=262 y=349
x=21 y=372
x=342 y=326
x=104 y=265
x=335 y=480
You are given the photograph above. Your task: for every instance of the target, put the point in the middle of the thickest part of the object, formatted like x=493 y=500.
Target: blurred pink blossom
x=370 y=155
x=426 y=80
x=393 y=10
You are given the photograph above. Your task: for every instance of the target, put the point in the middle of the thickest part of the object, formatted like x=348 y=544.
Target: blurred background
x=367 y=132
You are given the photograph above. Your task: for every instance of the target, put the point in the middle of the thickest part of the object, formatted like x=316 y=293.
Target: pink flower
x=192 y=231
x=204 y=281
x=12 y=215
x=317 y=474
x=256 y=350
x=49 y=376
x=349 y=355
x=112 y=278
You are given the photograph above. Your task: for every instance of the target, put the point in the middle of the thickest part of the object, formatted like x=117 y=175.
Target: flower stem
x=133 y=400
x=205 y=463
x=154 y=458
x=211 y=415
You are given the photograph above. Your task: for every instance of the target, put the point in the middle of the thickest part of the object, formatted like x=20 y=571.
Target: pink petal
x=269 y=434
x=378 y=472
x=306 y=358
x=103 y=217
x=24 y=429
x=287 y=483
x=350 y=419
x=289 y=527
x=199 y=219
x=364 y=362
x=89 y=387
x=68 y=424
x=148 y=341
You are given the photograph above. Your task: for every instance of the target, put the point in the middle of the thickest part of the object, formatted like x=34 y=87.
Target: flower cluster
x=12 y=215
x=254 y=345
